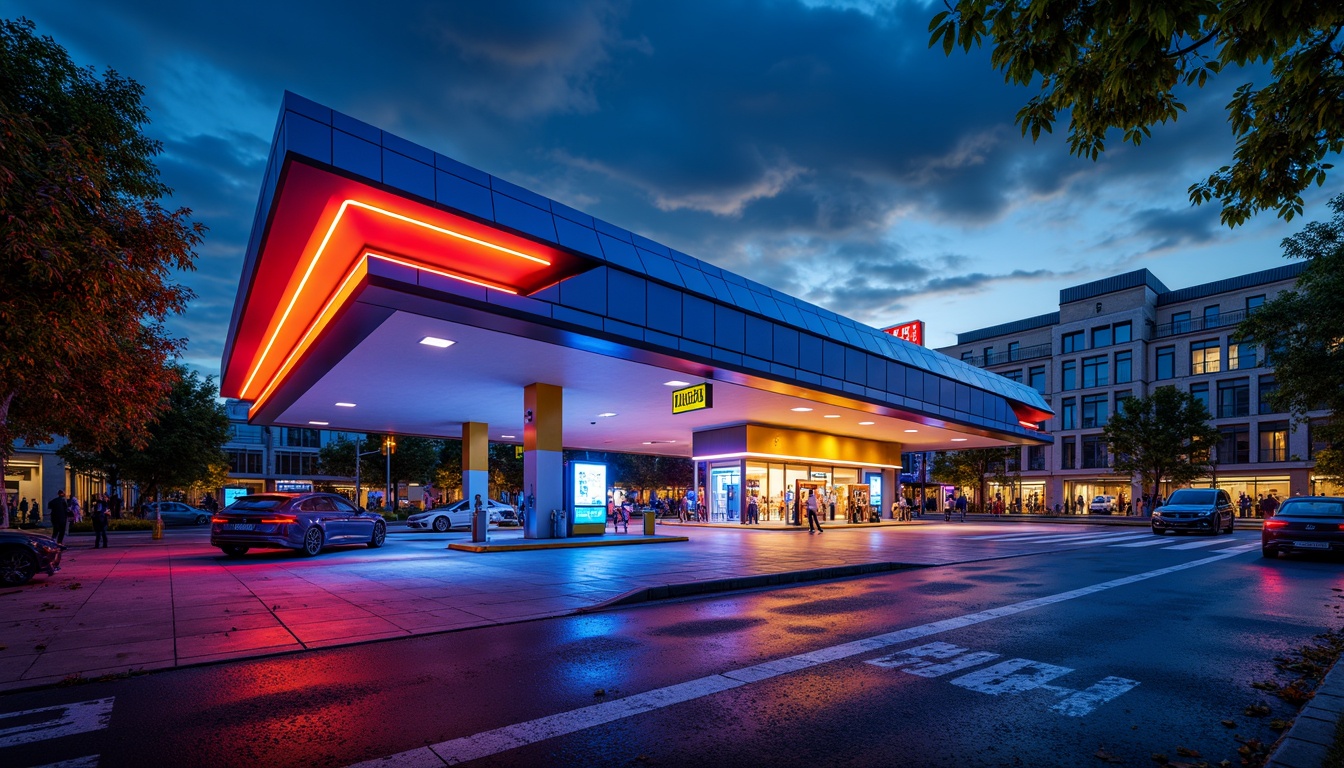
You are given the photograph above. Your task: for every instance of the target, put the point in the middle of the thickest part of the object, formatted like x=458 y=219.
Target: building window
x=1068 y=375
x=989 y=354
x=1121 y=395
x=1205 y=356
x=1068 y=414
x=246 y=463
x=1211 y=317
x=1234 y=398
x=1273 y=441
x=1013 y=347
x=1013 y=375
x=1180 y=322
x=301 y=438
x=1124 y=367
x=1094 y=452
x=1072 y=342
x=967 y=356
x=1101 y=337
x=1200 y=392
x=245 y=433
x=1254 y=302
x=1166 y=363
x=1122 y=333
x=295 y=463
x=1036 y=378
x=1316 y=441
x=1234 y=446
x=1067 y=453
x=1035 y=458
x=1096 y=371
x=1094 y=411
x=1240 y=356
x=1268 y=385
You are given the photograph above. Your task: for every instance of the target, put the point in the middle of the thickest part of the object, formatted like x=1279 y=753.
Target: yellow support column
x=543 y=460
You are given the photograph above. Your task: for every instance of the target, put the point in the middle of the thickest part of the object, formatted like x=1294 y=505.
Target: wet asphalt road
x=1189 y=643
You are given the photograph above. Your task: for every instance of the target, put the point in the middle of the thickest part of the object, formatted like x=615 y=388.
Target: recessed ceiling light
x=345 y=405
x=958 y=439
x=507 y=437
x=606 y=415
x=912 y=430
x=800 y=410
x=319 y=423
x=434 y=341
x=675 y=383
x=831 y=416
x=866 y=423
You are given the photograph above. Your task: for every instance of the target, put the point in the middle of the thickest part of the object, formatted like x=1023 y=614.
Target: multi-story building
x=1125 y=336
x=265 y=459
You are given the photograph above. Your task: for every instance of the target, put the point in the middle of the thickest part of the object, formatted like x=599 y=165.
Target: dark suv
x=1195 y=509
x=305 y=521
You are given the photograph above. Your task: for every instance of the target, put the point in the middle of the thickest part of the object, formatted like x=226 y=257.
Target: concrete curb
x=527 y=546
x=1313 y=731
x=737 y=583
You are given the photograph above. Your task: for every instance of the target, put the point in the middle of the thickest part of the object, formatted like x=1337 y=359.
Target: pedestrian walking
x=813 y=522
x=60 y=516
x=23 y=511
x=961 y=507
x=76 y=511
x=753 y=511
x=99 y=512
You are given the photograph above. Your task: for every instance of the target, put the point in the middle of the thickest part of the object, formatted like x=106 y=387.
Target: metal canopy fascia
x=326 y=235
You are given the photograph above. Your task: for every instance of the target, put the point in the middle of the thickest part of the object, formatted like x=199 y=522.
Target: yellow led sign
x=695 y=398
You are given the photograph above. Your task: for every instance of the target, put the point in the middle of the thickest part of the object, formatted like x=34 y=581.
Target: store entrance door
x=725 y=483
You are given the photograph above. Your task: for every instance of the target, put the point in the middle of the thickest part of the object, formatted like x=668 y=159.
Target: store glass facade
x=778 y=488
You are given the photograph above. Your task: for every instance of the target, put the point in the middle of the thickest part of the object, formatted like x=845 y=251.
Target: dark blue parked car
x=307 y=522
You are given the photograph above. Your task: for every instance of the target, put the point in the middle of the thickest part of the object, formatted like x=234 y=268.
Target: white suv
x=455 y=515
x=1102 y=504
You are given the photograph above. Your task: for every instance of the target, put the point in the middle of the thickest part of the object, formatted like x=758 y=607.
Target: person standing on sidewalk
x=812 y=520
x=99 y=512
x=961 y=507
x=60 y=515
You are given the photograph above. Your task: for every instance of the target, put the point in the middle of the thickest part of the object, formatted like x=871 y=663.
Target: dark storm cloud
x=784 y=141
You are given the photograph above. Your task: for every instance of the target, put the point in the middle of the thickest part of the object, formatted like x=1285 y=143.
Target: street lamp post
x=360 y=455
x=389 y=448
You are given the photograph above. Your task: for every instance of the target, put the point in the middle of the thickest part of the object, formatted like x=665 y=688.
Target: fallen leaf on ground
x=1105 y=756
x=1186 y=752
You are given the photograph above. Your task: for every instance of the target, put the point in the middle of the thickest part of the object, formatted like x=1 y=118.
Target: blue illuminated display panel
x=588 y=492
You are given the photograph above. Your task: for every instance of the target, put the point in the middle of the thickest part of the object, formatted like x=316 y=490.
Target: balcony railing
x=1012 y=356
x=1198 y=324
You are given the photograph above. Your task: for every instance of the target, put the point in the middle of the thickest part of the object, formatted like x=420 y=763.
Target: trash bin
x=650 y=517
x=480 y=526
x=559 y=529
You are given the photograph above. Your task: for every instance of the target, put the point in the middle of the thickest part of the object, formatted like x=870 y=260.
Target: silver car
x=307 y=522
x=456 y=515
x=176 y=513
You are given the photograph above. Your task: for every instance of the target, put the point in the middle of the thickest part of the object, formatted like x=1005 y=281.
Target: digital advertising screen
x=875 y=490
x=231 y=495
x=588 y=492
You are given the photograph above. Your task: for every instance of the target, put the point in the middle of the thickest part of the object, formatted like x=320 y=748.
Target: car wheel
x=1268 y=552
x=312 y=541
x=379 y=535
x=1158 y=531
x=202 y=519
x=233 y=550
x=17 y=566
x=441 y=524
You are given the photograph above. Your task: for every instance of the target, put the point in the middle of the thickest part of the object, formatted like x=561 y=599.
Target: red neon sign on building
x=912 y=332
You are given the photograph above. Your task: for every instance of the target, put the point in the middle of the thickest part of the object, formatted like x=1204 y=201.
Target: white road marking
x=1197 y=544
x=1083 y=702
x=1152 y=542
x=508 y=737
x=912 y=659
x=1006 y=536
x=1011 y=676
x=1058 y=538
x=1113 y=539
x=80 y=762
x=1240 y=549
x=66 y=720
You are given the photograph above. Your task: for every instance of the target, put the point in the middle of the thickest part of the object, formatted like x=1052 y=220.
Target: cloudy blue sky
x=818 y=147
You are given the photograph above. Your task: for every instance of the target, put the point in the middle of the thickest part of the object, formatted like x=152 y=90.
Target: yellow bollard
x=158 y=529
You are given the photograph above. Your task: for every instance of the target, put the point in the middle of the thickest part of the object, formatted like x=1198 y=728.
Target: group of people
x=16 y=514
x=1263 y=506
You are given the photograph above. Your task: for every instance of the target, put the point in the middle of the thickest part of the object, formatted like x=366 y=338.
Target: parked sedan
x=1104 y=504
x=1195 y=509
x=23 y=554
x=455 y=515
x=1305 y=524
x=176 y=513
x=307 y=522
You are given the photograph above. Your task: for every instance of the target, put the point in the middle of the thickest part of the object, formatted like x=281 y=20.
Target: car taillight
x=1275 y=524
x=279 y=519
x=218 y=519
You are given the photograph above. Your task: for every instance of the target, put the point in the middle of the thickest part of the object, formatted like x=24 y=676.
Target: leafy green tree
x=1118 y=67
x=506 y=469
x=971 y=467
x=415 y=460
x=1304 y=333
x=185 y=447
x=1163 y=437
x=88 y=253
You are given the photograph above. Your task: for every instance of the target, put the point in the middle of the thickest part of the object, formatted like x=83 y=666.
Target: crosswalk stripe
x=1070 y=537
x=1004 y=536
x=1112 y=540
x=1155 y=541
x=1242 y=548
x=65 y=720
x=1197 y=544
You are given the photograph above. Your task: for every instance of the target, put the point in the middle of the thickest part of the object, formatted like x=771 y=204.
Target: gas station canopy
x=388 y=288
